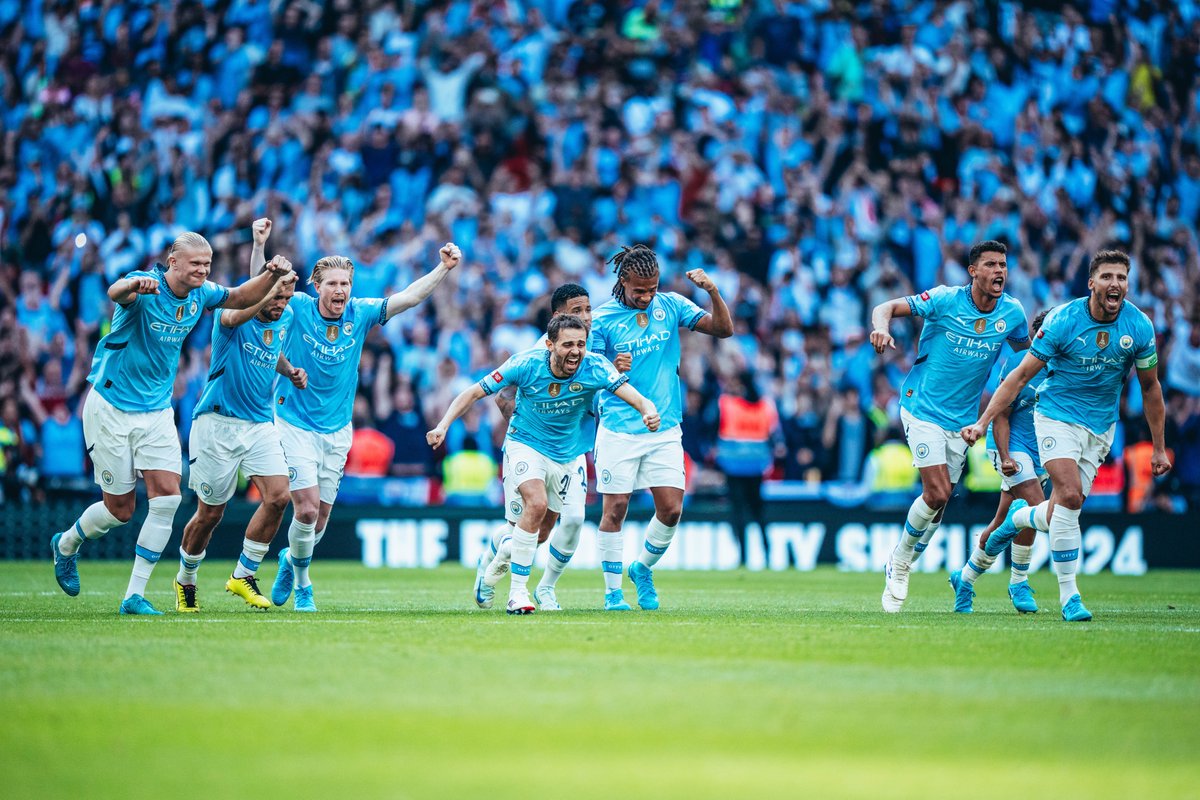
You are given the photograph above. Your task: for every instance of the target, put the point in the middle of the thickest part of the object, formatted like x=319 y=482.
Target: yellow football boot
x=185 y=598
x=247 y=589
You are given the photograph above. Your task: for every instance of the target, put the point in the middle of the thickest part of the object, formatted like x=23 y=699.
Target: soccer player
x=572 y=299
x=642 y=325
x=326 y=341
x=555 y=388
x=1088 y=346
x=233 y=429
x=965 y=329
x=1012 y=446
x=128 y=423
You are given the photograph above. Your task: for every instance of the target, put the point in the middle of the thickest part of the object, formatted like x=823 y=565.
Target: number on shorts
x=566 y=484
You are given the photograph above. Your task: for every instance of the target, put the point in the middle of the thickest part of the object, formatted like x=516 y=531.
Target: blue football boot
x=66 y=570
x=281 y=590
x=1074 y=611
x=964 y=593
x=1022 y=597
x=1006 y=532
x=136 y=604
x=304 y=599
x=615 y=601
x=643 y=580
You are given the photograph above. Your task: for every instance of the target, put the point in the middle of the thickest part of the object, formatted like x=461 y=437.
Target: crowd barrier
x=798 y=536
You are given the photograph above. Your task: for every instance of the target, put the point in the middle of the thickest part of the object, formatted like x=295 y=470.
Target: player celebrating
x=555 y=388
x=965 y=329
x=1012 y=446
x=572 y=299
x=1088 y=345
x=642 y=324
x=127 y=419
x=326 y=341
x=234 y=430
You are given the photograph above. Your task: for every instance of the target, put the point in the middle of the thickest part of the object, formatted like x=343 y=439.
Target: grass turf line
x=745 y=685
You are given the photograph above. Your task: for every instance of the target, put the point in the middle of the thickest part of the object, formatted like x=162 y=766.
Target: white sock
x=524 y=546
x=1064 y=550
x=1022 y=554
x=920 y=546
x=151 y=541
x=920 y=515
x=95 y=521
x=252 y=555
x=499 y=533
x=301 y=536
x=189 y=565
x=318 y=536
x=609 y=545
x=562 y=546
x=979 y=563
x=1034 y=517
x=658 y=538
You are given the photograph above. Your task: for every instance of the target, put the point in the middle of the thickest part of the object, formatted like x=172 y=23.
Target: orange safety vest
x=743 y=421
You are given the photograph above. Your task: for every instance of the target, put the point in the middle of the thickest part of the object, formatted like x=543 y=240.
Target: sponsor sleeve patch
x=924 y=295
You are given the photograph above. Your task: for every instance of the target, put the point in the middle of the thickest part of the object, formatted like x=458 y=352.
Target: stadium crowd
x=815 y=158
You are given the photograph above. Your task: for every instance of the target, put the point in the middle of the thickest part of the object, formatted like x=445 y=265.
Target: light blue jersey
x=135 y=364
x=1021 y=437
x=589 y=419
x=1087 y=361
x=241 y=375
x=652 y=337
x=550 y=410
x=959 y=344
x=329 y=350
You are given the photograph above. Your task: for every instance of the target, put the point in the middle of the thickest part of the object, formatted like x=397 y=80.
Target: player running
x=641 y=324
x=233 y=430
x=965 y=329
x=1088 y=346
x=555 y=389
x=1012 y=446
x=572 y=299
x=326 y=341
x=128 y=423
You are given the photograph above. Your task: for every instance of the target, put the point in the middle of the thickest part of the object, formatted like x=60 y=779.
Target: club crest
x=331 y=332
x=980 y=325
x=268 y=337
x=659 y=314
x=643 y=320
x=193 y=308
x=1126 y=342
x=1001 y=326
x=1102 y=339
x=179 y=314
x=575 y=387
x=555 y=388
x=348 y=328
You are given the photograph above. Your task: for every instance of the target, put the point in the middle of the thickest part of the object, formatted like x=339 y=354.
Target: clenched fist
x=261 y=229
x=701 y=279
x=450 y=254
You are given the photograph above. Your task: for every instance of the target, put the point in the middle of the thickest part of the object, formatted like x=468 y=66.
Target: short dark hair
x=562 y=322
x=1036 y=325
x=565 y=294
x=989 y=246
x=1103 y=257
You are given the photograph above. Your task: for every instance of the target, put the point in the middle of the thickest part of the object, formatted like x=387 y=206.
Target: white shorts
x=219 y=446
x=314 y=459
x=1066 y=440
x=121 y=443
x=1026 y=469
x=563 y=481
x=931 y=445
x=627 y=462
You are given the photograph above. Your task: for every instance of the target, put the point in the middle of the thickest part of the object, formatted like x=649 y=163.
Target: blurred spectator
x=747 y=438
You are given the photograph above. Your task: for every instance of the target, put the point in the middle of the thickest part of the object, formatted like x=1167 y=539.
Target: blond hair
x=331 y=262
x=189 y=240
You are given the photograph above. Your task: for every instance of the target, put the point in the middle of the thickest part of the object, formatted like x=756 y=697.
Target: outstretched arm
x=126 y=290
x=261 y=230
x=254 y=290
x=467 y=398
x=1006 y=392
x=881 y=321
x=720 y=322
x=233 y=317
x=644 y=406
x=422 y=287
x=1156 y=414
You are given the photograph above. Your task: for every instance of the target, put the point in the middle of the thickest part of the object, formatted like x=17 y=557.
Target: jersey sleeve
x=931 y=304
x=688 y=313
x=597 y=342
x=606 y=374
x=1050 y=337
x=136 y=302
x=373 y=309
x=507 y=374
x=214 y=295
x=1145 y=354
x=1019 y=332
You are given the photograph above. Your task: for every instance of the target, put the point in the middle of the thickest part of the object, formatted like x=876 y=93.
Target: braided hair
x=638 y=260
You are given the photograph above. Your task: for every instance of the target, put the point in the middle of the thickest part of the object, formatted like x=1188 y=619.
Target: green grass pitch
x=743 y=686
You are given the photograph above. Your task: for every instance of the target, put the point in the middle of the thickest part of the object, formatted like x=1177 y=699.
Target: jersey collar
x=971 y=300
x=1087 y=307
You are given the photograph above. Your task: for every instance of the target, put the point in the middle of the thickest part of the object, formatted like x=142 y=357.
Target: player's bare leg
x=113 y=511
x=668 y=508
